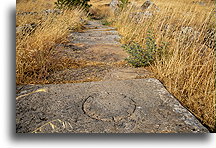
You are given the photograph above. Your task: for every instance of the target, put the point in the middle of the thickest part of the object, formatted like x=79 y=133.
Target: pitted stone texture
x=136 y=106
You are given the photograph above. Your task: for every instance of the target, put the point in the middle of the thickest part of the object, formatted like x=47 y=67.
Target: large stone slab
x=128 y=106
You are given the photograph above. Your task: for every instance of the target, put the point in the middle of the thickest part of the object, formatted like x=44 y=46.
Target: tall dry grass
x=36 y=57
x=188 y=68
x=100 y=9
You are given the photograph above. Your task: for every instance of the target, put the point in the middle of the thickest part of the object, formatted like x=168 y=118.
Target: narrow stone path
x=99 y=55
x=123 y=100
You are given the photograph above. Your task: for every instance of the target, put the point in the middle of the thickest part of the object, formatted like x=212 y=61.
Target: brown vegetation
x=35 y=54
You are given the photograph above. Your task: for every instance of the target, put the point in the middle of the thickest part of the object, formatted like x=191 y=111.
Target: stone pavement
x=124 y=106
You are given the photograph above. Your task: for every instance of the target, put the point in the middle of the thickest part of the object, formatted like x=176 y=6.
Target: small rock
x=114 y=4
x=139 y=16
x=26 y=29
x=149 y=5
x=52 y=11
x=210 y=39
x=199 y=3
x=186 y=30
x=146 y=4
x=188 y=33
x=26 y=13
x=148 y=10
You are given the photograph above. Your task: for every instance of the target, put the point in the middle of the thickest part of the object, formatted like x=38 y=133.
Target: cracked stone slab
x=127 y=106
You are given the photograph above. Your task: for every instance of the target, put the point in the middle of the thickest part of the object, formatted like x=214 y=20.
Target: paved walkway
x=122 y=102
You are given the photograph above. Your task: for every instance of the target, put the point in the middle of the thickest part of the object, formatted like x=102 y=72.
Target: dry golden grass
x=100 y=9
x=36 y=56
x=188 y=69
x=97 y=3
x=34 y=5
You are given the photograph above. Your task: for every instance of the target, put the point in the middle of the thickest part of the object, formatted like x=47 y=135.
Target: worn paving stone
x=96 y=33
x=127 y=74
x=127 y=106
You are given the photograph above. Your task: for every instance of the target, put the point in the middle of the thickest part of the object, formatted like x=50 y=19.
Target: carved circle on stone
x=109 y=106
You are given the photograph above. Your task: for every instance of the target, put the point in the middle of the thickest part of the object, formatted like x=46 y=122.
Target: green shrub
x=140 y=56
x=68 y=4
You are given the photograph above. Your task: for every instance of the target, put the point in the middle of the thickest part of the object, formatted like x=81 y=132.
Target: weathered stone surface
x=127 y=74
x=199 y=3
x=210 y=38
x=114 y=4
x=96 y=33
x=26 y=29
x=146 y=4
x=189 y=34
x=139 y=16
x=26 y=13
x=52 y=11
x=129 y=106
x=44 y=12
x=149 y=5
x=148 y=10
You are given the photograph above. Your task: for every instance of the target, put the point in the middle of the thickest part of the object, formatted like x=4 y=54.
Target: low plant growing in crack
x=140 y=56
